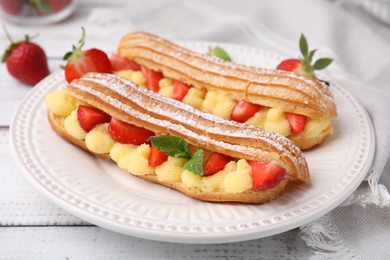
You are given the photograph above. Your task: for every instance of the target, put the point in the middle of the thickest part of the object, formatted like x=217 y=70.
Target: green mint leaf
x=322 y=63
x=303 y=46
x=220 y=53
x=172 y=145
x=195 y=164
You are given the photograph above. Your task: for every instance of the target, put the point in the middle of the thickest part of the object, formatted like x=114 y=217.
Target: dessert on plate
x=297 y=106
x=172 y=143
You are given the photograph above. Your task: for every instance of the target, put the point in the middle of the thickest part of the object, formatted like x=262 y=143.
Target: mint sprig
x=177 y=147
x=219 y=52
x=172 y=145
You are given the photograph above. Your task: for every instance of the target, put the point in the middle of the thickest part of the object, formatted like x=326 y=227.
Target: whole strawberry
x=304 y=64
x=81 y=62
x=26 y=61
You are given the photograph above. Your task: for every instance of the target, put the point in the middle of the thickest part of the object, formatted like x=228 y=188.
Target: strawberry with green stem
x=25 y=60
x=81 y=62
x=304 y=64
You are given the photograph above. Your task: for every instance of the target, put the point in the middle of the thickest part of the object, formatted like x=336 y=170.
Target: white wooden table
x=31 y=227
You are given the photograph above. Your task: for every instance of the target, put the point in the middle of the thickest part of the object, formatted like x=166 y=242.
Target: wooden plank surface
x=89 y=242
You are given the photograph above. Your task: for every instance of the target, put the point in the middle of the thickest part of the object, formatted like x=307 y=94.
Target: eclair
x=294 y=105
x=171 y=143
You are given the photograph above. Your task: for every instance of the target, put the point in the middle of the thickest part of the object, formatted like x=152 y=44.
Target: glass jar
x=35 y=12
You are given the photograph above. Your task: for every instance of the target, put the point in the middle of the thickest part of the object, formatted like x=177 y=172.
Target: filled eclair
x=294 y=105
x=173 y=144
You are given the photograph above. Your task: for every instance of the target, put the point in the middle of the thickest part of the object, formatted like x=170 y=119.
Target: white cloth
x=357 y=48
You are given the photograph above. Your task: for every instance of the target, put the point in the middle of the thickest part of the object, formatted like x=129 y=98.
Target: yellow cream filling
x=60 y=103
x=220 y=104
x=234 y=178
x=139 y=161
x=72 y=126
x=99 y=140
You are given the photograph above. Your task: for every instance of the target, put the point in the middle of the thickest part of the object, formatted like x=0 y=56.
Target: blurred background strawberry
x=12 y=7
x=25 y=60
x=45 y=7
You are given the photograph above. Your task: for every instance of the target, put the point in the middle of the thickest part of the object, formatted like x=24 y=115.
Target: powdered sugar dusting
x=188 y=116
x=157 y=50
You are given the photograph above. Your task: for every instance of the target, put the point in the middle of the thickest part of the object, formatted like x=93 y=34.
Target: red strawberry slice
x=297 y=122
x=180 y=90
x=81 y=62
x=152 y=78
x=243 y=110
x=88 y=117
x=127 y=133
x=293 y=65
x=215 y=163
x=156 y=157
x=266 y=175
x=120 y=63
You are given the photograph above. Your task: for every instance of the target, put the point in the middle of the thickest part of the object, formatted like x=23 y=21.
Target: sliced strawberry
x=156 y=157
x=127 y=133
x=297 y=122
x=215 y=163
x=243 y=110
x=266 y=175
x=293 y=65
x=120 y=63
x=152 y=78
x=88 y=117
x=180 y=90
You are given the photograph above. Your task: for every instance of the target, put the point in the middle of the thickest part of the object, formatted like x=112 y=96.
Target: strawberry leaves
x=76 y=51
x=307 y=61
x=322 y=63
x=177 y=147
x=303 y=46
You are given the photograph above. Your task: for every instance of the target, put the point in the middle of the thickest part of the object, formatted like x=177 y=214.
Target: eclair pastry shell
x=249 y=196
x=289 y=91
x=124 y=100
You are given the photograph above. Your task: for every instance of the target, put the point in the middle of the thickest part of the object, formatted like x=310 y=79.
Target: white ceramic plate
x=99 y=192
